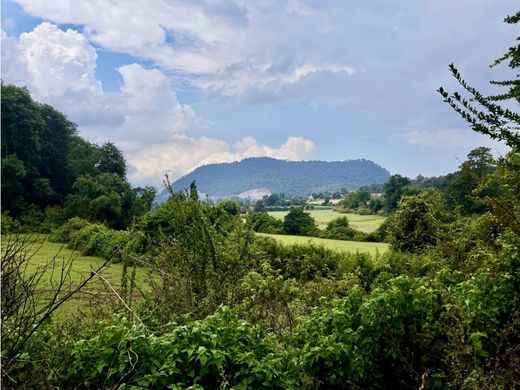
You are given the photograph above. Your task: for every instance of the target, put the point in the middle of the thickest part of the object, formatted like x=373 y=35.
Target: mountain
x=252 y=175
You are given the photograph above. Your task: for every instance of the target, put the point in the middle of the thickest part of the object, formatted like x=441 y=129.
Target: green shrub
x=9 y=224
x=220 y=351
x=68 y=230
x=90 y=239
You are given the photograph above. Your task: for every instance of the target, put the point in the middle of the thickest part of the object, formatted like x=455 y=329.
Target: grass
x=364 y=223
x=339 y=245
x=42 y=251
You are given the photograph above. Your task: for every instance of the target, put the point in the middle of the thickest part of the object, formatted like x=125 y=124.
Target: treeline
x=50 y=173
x=301 y=223
x=461 y=190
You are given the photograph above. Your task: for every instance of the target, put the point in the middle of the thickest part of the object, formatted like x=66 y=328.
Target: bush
x=262 y=222
x=9 y=224
x=68 y=230
x=220 y=351
x=300 y=223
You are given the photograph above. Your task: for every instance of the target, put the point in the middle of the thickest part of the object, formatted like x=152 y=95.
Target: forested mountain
x=288 y=177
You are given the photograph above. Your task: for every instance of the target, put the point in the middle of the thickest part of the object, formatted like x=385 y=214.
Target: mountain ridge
x=295 y=178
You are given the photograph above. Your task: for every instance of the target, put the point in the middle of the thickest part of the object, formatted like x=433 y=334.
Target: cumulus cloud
x=58 y=61
x=145 y=116
x=59 y=68
x=228 y=45
x=185 y=153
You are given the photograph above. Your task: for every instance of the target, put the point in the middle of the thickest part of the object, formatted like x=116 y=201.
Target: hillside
x=277 y=176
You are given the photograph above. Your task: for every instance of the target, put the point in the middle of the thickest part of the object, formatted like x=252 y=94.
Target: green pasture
x=340 y=245
x=364 y=223
x=41 y=252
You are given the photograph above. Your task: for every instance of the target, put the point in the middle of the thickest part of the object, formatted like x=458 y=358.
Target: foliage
x=339 y=229
x=219 y=351
x=46 y=163
x=68 y=230
x=395 y=188
x=264 y=223
x=413 y=226
x=300 y=223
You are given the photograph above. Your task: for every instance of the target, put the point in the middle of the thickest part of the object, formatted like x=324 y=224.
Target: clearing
x=364 y=223
x=340 y=245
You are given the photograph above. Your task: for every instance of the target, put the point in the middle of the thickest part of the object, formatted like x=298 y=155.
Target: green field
x=42 y=251
x=364 y=223
x=340 y=245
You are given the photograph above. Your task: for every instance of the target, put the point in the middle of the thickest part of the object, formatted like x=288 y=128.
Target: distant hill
x=264 y=175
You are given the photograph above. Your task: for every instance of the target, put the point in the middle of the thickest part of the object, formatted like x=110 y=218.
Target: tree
x=111 y=160
x=339 y=229
x=484 y=113
x=264 y=223
x=299 y=222
x=465 y=188
x=194 y=192
x=396 y=187
x=413 y=227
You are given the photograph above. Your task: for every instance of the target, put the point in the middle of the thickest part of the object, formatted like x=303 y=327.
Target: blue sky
x=177 y=84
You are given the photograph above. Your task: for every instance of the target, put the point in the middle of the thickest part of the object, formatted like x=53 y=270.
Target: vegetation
x=337 y=245
x=222 y=307
x=292 y=178
x=50 y=174
x=364 y=223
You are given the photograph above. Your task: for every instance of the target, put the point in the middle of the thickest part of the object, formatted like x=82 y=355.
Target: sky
x=179 y=84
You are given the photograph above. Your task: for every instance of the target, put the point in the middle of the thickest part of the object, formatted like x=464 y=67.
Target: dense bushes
x=442 y=331
x=221 y=351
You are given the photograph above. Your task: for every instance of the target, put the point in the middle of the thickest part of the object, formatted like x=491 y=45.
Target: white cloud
x=59 y=68
x=183 y=154
x=226 y=45
x=58 y=61
x=144 y=117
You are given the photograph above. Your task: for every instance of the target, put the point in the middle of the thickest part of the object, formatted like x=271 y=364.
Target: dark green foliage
x=218 y=352
x=45 y=163
x=338 y=229
x=413 y=226
x=35 y=140
x=106 y=198
x=194 y=192
x=355 y=199
x=300 y=223
x=402 y=336
x=69 y=230
x=262 y=222
x=395 y=188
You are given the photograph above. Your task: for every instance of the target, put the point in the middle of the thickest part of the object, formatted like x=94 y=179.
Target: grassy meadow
x=364 y=223
x=41 y=251
x=339 y=245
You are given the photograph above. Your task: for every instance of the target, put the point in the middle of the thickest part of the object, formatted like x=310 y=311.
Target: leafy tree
x=300 y=223
x=396 y=187
x=105 y=198
x=355 y=199
x=413 y=226
x=262 y=222
x=465 y=187
x=111 y=160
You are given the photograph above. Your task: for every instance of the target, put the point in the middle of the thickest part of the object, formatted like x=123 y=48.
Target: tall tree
x=485 y=114
x=395 y=188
